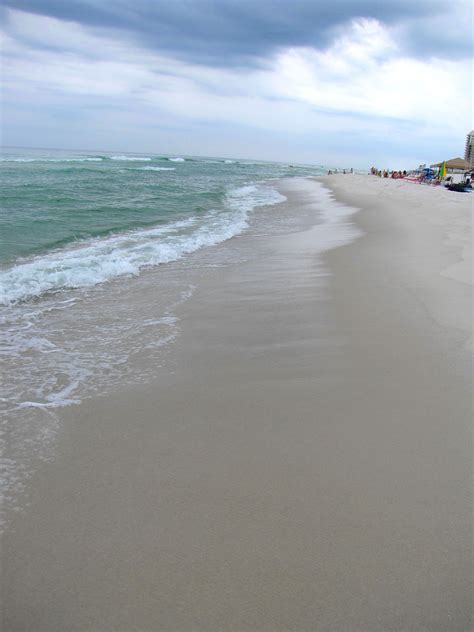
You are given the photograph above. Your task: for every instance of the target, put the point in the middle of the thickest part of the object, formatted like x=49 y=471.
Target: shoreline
x=305 y=463
x=439 y=221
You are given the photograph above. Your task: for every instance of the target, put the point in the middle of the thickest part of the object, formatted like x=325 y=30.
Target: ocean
x=70 y=219
x=97 y=252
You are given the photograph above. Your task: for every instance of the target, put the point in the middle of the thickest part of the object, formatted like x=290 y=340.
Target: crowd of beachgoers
x=387 y=174
x=453 y=181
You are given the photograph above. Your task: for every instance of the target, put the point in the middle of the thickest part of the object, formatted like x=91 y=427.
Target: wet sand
x=304 y=461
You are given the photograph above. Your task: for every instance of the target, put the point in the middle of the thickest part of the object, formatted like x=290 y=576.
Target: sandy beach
x=301 y=462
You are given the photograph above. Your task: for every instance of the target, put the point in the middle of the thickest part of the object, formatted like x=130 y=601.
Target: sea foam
x=131 y=158
x=126 y=254
x=51 y=159
x=155 y=169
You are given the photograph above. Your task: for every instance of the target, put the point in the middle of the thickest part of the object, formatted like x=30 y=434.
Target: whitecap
x=51 y=159
x=102 y=259
x=131 y=158
x=155 y=169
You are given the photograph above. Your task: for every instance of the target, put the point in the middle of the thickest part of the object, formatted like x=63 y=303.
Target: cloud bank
x=347 y=82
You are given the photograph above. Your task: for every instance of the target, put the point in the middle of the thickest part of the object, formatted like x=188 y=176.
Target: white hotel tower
x=469 y=151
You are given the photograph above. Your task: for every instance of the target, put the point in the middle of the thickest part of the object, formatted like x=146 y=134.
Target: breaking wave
x=155 y=169
x=131 y=158
x=51 y=159
x=102 y=259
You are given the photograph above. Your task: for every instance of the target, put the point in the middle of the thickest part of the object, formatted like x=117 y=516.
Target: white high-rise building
x=469 y=151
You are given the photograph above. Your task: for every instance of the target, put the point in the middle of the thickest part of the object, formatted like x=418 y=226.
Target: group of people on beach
x=427 y=175
x=387 y=174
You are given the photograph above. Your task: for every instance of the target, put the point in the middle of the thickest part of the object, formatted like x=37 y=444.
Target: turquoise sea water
x=73 y=219
x=99 y=254
x=101 y=257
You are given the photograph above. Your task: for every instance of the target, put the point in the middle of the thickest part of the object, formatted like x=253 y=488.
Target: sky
x=334 y=82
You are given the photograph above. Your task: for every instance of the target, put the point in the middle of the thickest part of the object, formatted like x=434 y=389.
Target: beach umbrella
x=442 y=171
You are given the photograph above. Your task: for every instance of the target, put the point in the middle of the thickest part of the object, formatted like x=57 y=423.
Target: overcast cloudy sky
x=344 y=82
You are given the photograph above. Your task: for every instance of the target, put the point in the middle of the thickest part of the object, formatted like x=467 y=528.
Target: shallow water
x=65 y=335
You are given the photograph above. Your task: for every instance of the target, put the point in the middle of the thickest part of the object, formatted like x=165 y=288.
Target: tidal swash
x=78 y=233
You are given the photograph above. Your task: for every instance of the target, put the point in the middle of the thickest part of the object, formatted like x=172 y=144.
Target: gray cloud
x=123 y=83
x=243 y=32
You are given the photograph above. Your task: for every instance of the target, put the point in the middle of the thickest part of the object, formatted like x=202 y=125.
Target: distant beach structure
x=454 y=165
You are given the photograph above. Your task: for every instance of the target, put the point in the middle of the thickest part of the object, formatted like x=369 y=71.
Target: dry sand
x=305 y=466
